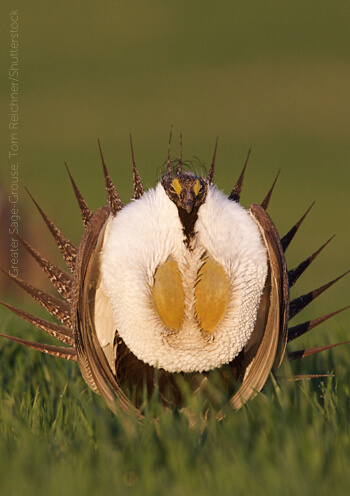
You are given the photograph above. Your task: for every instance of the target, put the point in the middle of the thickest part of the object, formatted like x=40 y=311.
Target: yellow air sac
x=212 y=294
x=168 y=294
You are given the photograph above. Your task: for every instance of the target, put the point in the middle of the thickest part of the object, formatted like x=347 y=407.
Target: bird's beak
x=189 y=207
x=188 y=200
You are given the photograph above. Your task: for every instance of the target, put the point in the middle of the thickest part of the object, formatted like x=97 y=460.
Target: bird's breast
x=177 y=308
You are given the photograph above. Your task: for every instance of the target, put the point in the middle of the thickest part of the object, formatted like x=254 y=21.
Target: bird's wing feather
x=91 y=358
x=265 y=349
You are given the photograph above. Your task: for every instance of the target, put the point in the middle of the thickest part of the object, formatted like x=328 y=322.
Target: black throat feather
x=188 y=221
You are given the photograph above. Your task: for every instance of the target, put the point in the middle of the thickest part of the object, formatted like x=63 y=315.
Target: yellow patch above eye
x=197 y=187
x=177 y=186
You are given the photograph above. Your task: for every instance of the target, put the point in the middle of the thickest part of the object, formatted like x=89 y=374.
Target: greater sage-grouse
x=180 y=284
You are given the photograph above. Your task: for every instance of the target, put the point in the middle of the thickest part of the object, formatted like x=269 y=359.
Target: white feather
x=142 y=237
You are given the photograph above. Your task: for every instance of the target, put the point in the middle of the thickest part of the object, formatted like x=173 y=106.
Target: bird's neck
x=188 y=221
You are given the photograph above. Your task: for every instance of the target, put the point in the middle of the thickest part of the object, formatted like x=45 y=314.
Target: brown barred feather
x=59 y=278
x=113 y=197
x=66 y=247
x=86 y=212
x=57 y=307
x=138 y=190
x=56 y=351
x=60 y=332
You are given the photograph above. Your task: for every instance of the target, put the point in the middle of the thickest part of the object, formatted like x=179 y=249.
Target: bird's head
x=186 y=190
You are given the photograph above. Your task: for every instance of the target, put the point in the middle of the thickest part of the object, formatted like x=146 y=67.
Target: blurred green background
x=273 y=76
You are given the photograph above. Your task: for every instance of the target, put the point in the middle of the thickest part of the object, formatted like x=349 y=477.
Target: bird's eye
x=177 y=186
x=197 y=187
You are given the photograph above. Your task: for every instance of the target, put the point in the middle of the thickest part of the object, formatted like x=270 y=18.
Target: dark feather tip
x=235 y=194
x=294 y=274
x=302 y=301
x=266 y=201
x=287 y=239
x=210 y=176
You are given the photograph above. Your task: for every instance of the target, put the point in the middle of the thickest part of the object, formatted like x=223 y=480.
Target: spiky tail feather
x=56 y=351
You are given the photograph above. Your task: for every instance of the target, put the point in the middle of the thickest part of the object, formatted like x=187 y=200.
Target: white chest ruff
x=142 y=237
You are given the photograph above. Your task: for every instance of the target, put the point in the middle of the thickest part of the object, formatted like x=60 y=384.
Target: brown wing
x=266 y=347
x=92 y=361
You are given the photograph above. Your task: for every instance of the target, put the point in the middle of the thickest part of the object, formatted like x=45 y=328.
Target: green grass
x=57 y=437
